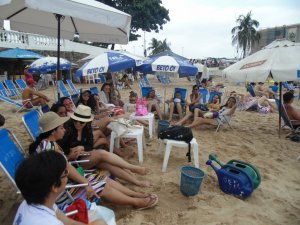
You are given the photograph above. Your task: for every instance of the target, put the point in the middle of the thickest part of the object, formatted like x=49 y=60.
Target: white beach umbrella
x=281 y=59
x=92 y=20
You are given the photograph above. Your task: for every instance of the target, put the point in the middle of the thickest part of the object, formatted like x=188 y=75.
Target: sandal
x=153 y=202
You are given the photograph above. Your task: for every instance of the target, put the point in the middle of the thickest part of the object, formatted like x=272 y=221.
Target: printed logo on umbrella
x=95 y=70
x=165 y=68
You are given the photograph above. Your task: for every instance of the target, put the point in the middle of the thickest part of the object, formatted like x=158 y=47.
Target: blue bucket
x=162 y=125
x=191 y=179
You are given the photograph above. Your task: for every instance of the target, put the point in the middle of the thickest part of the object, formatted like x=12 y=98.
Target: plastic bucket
x=162 y=125
x=191 y=179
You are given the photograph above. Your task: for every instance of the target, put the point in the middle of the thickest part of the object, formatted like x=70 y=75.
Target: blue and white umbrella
x=48 y=64
x=109 y=62
x=168 y=64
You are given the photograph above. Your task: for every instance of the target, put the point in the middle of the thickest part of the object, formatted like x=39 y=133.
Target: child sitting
x=176 y=105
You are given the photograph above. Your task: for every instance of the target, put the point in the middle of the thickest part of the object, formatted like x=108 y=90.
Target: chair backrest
x=10 y=101
x=21 y=84
x=145 y=91
x=63 y=88
x=11 y=88
x=251 y=90
x=72 y=87
x=212 y=94
x=183 y=92
x=31 y=122
x=10 y=155
x=3 y=91
x=147 y=82
x=204 y=94
x=284 y=115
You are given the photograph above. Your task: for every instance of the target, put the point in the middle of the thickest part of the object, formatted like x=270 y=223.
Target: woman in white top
x=224 y=115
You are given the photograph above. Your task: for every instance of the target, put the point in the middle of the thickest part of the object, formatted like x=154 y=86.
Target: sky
x=202 y=28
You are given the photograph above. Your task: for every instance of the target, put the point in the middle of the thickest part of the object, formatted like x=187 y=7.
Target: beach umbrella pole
x=59 y=18
x=280 y=103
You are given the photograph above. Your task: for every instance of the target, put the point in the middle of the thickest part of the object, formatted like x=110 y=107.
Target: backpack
x=178 y=133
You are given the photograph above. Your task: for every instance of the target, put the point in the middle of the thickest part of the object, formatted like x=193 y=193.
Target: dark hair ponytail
x=33 y=146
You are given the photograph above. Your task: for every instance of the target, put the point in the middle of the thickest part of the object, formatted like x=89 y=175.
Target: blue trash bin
x=191 y=179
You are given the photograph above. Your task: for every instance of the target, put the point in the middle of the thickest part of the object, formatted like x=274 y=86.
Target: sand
x=254 y=138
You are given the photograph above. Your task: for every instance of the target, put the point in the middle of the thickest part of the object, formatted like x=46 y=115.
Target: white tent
x=280 y=59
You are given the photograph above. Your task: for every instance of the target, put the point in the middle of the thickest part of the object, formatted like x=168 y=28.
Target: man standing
x=29 y=93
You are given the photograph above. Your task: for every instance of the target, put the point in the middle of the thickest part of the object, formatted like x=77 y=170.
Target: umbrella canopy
x=17 y=53
x=168 y=64
x=47 y=65
x=92 y=20
x=169 y=53
x=110 y=62
x=281 y=59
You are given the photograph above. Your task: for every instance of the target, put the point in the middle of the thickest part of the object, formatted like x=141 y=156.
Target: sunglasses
x=76 y=121
x=65 y=174
x=86 y=95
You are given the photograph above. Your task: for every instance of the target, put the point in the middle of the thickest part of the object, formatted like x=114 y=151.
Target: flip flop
x=153 y=202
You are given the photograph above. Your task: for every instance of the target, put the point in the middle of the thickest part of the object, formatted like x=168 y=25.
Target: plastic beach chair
x=285 y=117
x=21 y=84
x=203 y=91
x=12 y=88
x=24 y=104
x=251 y=90
x=31 y=123
x=3 y=90
x=73 y=88
x=63 y=89
x=145 y=91
x=10 y=155
x=212 y=94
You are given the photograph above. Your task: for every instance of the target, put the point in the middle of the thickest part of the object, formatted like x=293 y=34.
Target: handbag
x=141 y=107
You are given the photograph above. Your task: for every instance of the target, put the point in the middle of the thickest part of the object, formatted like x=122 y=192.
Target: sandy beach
x=254 y=138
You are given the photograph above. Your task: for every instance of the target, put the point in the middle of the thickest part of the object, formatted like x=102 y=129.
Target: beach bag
x=97 y=212
x=82 y=215
x=141 y=107
x=178 y=133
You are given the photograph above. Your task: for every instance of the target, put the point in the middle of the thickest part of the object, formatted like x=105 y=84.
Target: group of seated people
x=74 y=138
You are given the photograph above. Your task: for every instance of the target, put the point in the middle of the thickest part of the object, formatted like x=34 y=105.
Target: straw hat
x=83 y=113
x=50 y=121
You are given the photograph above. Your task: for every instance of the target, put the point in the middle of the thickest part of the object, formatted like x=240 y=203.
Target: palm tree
x=245 y=34
x=158 y=46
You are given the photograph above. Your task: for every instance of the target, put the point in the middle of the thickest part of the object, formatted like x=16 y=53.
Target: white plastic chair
x=137 y=133
x=181 y=144
x=149 y=118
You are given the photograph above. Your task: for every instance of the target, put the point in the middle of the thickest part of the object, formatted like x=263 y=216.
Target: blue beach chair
x=251 y=90
x=73 y=88
x=3 y=91
x=203 y=91
x=212 y=94
x=285 y=117
x=21 y=84
x=22 y=104
x=10 y=155
x=145 y=91
x=31 y=123
x=12 y=88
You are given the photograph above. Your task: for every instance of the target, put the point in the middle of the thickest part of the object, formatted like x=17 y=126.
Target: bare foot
x=141 y=170
x=144 y=183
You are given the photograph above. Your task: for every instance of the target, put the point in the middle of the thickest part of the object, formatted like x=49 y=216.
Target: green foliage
x=157 y=46
x=147 y=15
x=245 y=34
